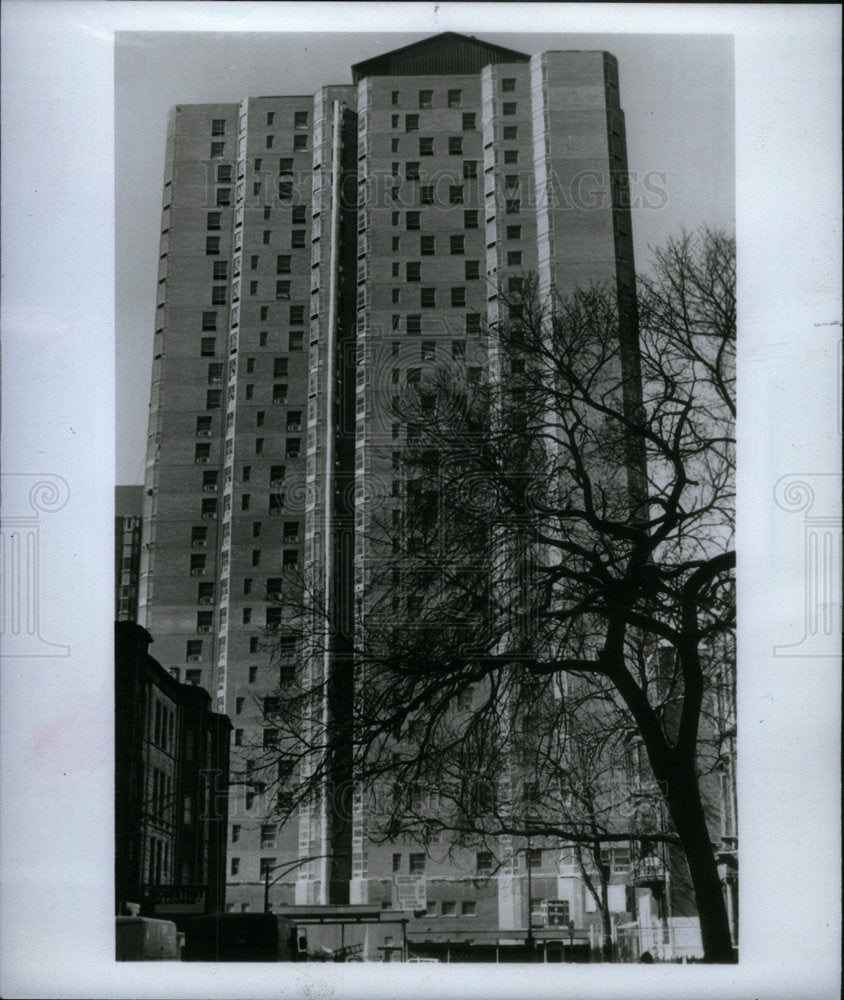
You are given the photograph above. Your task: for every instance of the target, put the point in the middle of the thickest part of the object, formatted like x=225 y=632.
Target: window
x=209 y=321
x=417 y=864
x=297 y=239
x=294 y=421
x=218 y=126
x=212 y=246
x=511 y=181
x=427 y=246
x=429 y=350
x=212 y=399
x=280 y=366
x=411 y=123
x=427 y=194
x=285 y=190
x=235 y=866
x=472 y=270
x=426 y=147
x=414 y=324
x=221 y=268
x=411 y=170
x=217 y=149
x=469 y=122
x=224 y=173
x=455 y=145
x=214 y=220
x=270 y=141
x=291 y=532
x=470 y=219
x=511 y=156
x=514 y=258
x=285 y=165
x=397 y=862
x=473 y=323
x=468 y=908
x=455 y=98
x=510 y=132
x=292 y=447
x=300 y=143
x=209 y=509
x=413 y=271
x=282 y=289
x=426 y=98
x=457 y=244
x=458 y=350
x=455 y=194
x=514 y=232
x=394 y=121
x=218 y=295
x=483 y=862
x=394 y=143
x=394 y=97
x=412 y=220
x=508 y=108
x=268 y=835
x=224 y=196
x=193 y=647
x=298 y=216
x=395 y=295
x=203 y=426
x=282 y=263
x=428 y=298
x=470 y=169
x=458 y=296
x=197 y=565
x=295 y=340
x=448 y=908
x=259 y=446
x=297 y=315
x=244 y=501
x=300 y=119
x=533 y=858
x=512 y=206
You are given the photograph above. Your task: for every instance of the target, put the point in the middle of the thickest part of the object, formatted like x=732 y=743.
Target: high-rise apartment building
x=317 y=254
x=128 y=516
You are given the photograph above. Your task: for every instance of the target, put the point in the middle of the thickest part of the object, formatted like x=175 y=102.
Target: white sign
x=409 y=892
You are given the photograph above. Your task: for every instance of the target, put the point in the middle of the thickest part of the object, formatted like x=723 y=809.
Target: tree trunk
x=606 y=921
x=687 y=814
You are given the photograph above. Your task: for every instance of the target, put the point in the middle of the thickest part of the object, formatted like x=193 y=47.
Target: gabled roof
x=442 y=54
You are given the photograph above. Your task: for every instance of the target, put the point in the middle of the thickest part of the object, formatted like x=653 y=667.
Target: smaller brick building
x=171 y=769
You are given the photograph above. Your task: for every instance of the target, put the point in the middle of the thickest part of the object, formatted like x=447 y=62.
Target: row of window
x=160 y=724
x=413 y=323
x=300 y=121
x=454 y=96
x=413 y=219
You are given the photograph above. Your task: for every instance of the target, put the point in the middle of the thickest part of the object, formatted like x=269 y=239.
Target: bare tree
x=563 y=547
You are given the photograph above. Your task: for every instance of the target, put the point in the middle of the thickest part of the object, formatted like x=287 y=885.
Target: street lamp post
x=286 y=868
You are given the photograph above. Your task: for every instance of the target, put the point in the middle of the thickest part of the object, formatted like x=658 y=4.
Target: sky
x=677 y=92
